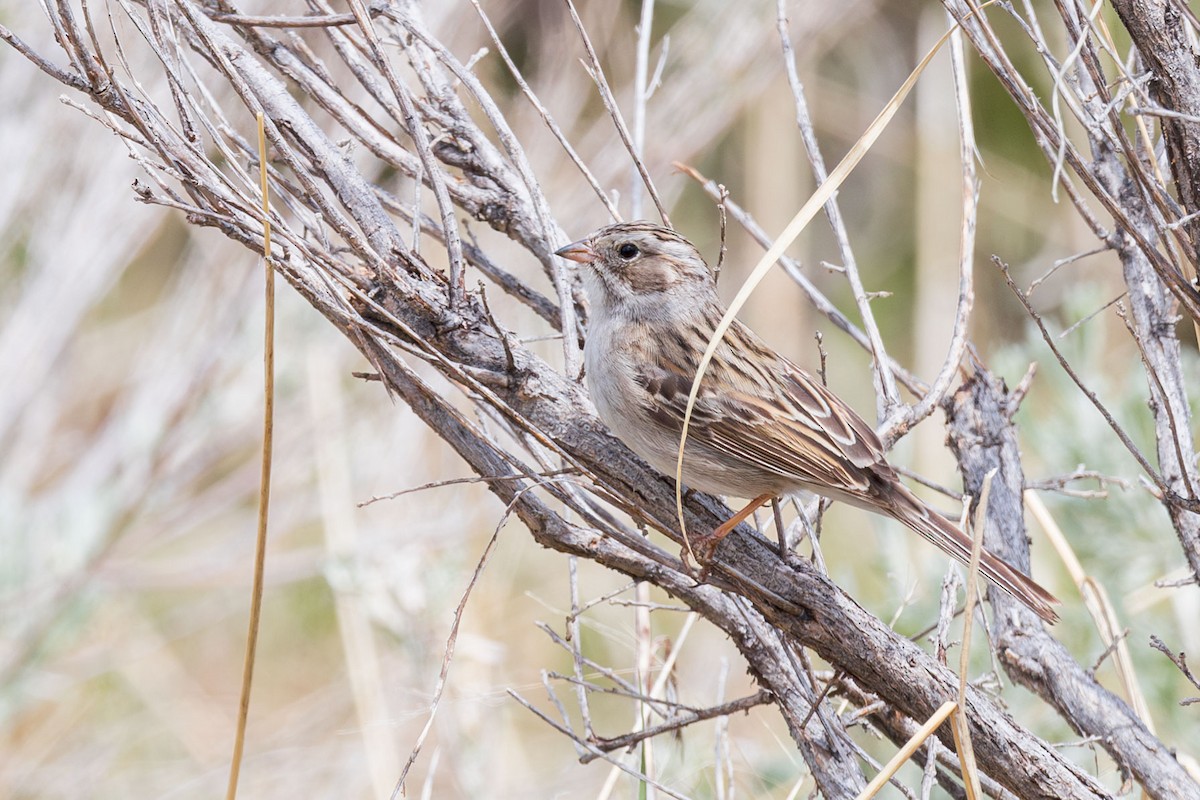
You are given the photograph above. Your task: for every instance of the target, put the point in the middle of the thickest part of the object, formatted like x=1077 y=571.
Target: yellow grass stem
x=815 y=203
x=264 y=486
x=960 y=726
x=905 y=753
x=1098 y=604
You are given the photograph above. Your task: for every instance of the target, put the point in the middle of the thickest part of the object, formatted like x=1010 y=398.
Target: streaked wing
x=762 y=409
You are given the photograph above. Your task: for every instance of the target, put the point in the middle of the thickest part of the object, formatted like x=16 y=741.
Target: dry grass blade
x=815 y=203
x=960 y=723
x=1098 y=604
x=366 y=674
x=908 y=750
x=264 y=491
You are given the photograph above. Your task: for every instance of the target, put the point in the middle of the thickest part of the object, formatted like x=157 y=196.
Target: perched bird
x=761 y=427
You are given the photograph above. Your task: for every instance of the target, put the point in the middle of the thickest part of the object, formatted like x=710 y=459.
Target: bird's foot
x=704 y=548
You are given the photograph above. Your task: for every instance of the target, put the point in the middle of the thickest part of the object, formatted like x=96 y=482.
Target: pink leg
x=737 y=519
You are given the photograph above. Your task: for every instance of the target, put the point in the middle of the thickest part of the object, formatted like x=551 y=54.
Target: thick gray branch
x=984 y=438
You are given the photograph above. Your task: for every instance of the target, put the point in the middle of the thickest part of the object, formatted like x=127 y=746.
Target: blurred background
x=130 y=350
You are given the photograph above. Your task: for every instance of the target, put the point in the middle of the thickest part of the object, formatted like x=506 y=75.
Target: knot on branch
x=982 y=436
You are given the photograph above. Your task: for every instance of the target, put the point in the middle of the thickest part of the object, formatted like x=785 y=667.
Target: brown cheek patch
x=649 y=278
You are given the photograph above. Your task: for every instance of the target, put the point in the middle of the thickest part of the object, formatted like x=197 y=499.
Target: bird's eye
x=627 y=251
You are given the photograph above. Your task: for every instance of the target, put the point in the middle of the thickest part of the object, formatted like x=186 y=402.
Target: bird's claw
x=704 y=548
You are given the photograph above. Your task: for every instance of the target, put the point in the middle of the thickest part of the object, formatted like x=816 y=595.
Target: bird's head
x=638 y=266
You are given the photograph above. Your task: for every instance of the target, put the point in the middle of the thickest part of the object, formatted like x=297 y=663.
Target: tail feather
x=907 y=508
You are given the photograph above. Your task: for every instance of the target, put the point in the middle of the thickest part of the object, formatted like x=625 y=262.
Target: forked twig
x=452 y=640
x=1150 y=471
x=1180 y=661
x=960 y=724
x=610 y=104
x=885 y=383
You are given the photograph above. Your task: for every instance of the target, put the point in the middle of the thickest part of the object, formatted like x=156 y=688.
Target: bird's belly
x=617 y=400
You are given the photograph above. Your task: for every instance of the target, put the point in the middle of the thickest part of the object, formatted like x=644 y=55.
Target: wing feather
x=768 y=413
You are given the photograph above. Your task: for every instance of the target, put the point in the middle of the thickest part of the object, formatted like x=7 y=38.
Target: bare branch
x=610 y=104
x=983 y=438
x=885 y=382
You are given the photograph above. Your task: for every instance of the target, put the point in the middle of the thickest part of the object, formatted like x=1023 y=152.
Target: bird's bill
x=579 y=251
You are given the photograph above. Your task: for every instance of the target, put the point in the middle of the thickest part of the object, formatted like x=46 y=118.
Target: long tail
x=907 y=508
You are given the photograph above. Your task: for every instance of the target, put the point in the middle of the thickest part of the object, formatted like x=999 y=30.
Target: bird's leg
x=707 y=545
x=780 y=531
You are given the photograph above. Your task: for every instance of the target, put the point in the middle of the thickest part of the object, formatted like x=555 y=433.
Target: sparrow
x=761 y=427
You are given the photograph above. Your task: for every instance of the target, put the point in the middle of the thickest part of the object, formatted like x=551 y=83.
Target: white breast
x=622 y=404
